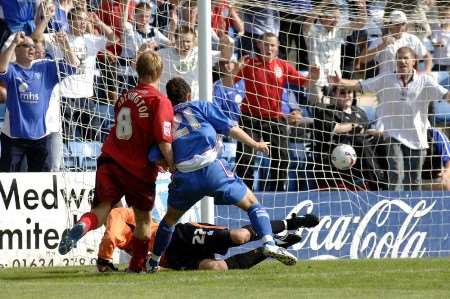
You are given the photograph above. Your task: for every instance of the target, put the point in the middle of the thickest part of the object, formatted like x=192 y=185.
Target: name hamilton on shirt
x=136 y=99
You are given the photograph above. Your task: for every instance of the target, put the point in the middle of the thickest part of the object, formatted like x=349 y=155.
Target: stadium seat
x=443 y=78
x=229 y=153
x=2 y=111
x=85 y=153
x=70 y=161
x=441 y=116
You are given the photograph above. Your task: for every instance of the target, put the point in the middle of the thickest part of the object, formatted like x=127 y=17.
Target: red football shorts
x=112 y=182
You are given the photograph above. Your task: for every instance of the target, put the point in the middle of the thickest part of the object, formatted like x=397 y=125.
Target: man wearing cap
x=385 y=48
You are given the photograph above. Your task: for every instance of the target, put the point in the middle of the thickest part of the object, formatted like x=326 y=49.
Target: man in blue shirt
x=199 y=173
x=29 y=84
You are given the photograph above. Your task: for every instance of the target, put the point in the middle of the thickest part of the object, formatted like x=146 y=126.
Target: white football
x=343 y=156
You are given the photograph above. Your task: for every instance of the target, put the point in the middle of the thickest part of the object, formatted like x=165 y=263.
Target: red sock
x=138 y=260
x=89 y=220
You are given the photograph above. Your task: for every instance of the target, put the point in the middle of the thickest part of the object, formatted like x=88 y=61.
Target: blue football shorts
x=215 y=180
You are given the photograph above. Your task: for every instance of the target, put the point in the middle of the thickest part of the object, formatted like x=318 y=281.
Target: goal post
x=205 y=86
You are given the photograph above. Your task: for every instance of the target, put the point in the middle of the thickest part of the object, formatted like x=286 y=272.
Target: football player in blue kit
x=200 y=173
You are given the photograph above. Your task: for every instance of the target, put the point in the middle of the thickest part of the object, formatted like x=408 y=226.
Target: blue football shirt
x=442 y=145
x=229 y=98
x=196 y=125
x=28 y=96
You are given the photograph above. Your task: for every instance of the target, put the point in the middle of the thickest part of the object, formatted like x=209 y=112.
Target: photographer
x=341 y=122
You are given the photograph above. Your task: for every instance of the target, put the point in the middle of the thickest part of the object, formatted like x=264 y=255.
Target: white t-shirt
x=53 y=115
x=132 y=40
x=324 y=49
x=441 y=55
x=386 y=58
x=402 y=112
x=186 y=67
x=86 y=48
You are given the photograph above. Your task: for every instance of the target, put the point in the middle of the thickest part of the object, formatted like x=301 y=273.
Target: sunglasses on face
x=27 y=46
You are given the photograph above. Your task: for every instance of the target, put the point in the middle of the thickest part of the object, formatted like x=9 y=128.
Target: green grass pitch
x=400 y=278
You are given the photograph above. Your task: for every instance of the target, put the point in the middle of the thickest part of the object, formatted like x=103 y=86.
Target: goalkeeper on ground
x=194 y=245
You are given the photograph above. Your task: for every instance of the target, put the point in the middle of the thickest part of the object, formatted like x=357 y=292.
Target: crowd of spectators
x=280 y=71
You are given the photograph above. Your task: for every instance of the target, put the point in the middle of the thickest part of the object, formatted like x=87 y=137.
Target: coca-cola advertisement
x=360 y=224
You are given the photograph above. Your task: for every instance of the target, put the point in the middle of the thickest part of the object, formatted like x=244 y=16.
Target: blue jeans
x=17 y=151
x=404 y=166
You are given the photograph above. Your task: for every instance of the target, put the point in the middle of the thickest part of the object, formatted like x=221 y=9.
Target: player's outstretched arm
x=240 y=135
x=336 y=80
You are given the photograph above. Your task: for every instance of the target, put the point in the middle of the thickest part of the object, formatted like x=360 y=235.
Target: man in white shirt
x=441 y=42
x=324 y=39
x=137 y=35
x=77 y=90
x=182 y=60
x=402 y=116
x=384 y=49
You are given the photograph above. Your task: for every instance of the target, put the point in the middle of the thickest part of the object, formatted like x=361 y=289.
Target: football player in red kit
x=143 y=117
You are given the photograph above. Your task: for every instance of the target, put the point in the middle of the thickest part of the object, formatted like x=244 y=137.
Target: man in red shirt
x=143 y=117
x=265 y=77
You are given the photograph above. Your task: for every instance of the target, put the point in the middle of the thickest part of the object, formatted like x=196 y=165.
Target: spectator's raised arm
x=43 y=16
x=368 y=54
x=428 y=61
x=238 y=24
x=353 y=85
x=104 y=29
x=60 y=38
x=172 y=25
x=311 y=19
x=226 y=46
x=6 y=55
x=360 y=20
x=295 y=78
x=314 y=74
x=124 y=16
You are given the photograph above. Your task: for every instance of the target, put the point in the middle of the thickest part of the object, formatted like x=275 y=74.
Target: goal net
x=391 y=202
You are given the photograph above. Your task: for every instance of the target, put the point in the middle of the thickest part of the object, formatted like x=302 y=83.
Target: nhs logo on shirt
x=25 y=96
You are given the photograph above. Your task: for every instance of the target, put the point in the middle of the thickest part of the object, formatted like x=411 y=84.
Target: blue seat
x=84 y=154
x=229 y=153
x=70 y=161
x=441 y=114
x=2 y=111
x=443 y=78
